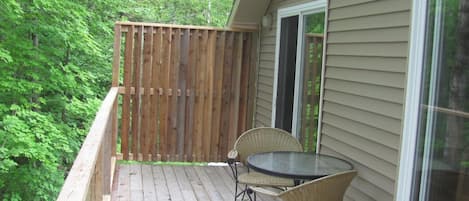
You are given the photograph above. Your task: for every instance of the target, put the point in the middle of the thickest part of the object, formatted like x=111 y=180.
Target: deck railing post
x=115 y=83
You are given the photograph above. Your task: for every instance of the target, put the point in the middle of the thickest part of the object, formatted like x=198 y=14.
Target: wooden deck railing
x=91 y=175
x=187 y=90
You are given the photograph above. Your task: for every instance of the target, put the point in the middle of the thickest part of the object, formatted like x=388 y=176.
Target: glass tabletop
x=297 y=165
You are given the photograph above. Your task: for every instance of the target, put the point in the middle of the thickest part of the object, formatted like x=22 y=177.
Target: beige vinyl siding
x=366 y=59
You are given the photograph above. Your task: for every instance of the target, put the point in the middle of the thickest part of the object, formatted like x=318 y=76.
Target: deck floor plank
x=138 y=182
x=149 y=192
x=184 y=185
x=207 y=183
x=136 y=186
x=196 y=184
x=123 y=186
x=173 y=186
x=162 y=192
x=219 y=183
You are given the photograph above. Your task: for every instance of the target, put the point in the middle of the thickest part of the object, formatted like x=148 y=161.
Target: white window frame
x=300 y=10
x=412 y=101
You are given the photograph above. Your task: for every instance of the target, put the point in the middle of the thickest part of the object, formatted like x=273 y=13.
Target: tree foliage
x=55 y=67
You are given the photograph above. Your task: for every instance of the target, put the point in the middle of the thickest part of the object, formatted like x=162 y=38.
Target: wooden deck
x=135 y=182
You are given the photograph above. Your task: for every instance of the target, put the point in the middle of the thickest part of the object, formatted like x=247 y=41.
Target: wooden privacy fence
x=186 y=90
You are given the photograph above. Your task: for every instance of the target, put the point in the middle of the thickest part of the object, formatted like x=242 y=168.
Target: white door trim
x=300 y=10
x=412 y=101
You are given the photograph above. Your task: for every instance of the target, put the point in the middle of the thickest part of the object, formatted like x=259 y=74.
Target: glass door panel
x=311 y=62
x=442 y=170
x=286 y=73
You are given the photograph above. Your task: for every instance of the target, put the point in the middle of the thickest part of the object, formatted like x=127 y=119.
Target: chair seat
x=258 y=179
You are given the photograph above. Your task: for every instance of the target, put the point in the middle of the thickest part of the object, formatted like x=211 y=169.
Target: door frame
x=300 y=10
x=411 y=109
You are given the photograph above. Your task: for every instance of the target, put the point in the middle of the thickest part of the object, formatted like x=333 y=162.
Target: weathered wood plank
x=156 y=85
x=219 y=184
x=136 y=186
x=129 y=44
x=235 y=89
x=173 y=85
x=181 y=102
x=164 y=83
x=252 y=87
x=217 y=93
x=244 y=85
x=207 y=183
x=162 y=191
x=136 y=112
x=123 y=192
x=173 y=187
x=196 y=184
x=190 y=87
x=146 y=138
x=149 y=192
x=115 y=82
x=186 y=189
x=209 y=50
x=199 y=102
x=125 y=24
x=226 y=95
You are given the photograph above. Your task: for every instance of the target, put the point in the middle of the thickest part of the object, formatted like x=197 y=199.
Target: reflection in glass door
x=311 y=63
x=442 y=166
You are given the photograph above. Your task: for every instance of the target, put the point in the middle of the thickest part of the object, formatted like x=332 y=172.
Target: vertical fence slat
x=129 y=43
x=235 y=89
x=210 y=37
x=136 y=112
x=156 y=69
x=164 y=79
x=217 y=91
x=147 y=70
x=190 y=86
x=199 y=100
x=226 y=94
x=182 y=99
x=245 y=68
x=173 y=77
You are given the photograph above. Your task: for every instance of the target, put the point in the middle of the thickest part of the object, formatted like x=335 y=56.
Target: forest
x=55 y=68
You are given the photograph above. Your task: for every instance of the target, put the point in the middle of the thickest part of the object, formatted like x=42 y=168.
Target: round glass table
x=297 y=165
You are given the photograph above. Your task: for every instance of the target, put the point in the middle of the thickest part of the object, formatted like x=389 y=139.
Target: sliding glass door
x=298 y=71
x=441 y=170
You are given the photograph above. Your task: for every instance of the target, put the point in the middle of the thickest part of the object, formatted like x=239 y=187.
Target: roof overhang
x=247 y=13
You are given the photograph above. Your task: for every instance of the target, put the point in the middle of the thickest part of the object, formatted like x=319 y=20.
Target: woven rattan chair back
x=265 y=139
x=329 y=188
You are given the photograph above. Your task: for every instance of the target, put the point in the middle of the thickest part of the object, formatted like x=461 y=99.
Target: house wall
x=367 y=48
x=366 y=59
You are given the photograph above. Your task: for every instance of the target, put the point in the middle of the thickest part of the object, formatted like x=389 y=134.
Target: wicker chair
x=259 y=140
x=329 y=188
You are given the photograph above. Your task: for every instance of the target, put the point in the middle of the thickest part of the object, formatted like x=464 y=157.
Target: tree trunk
x=458 y=89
